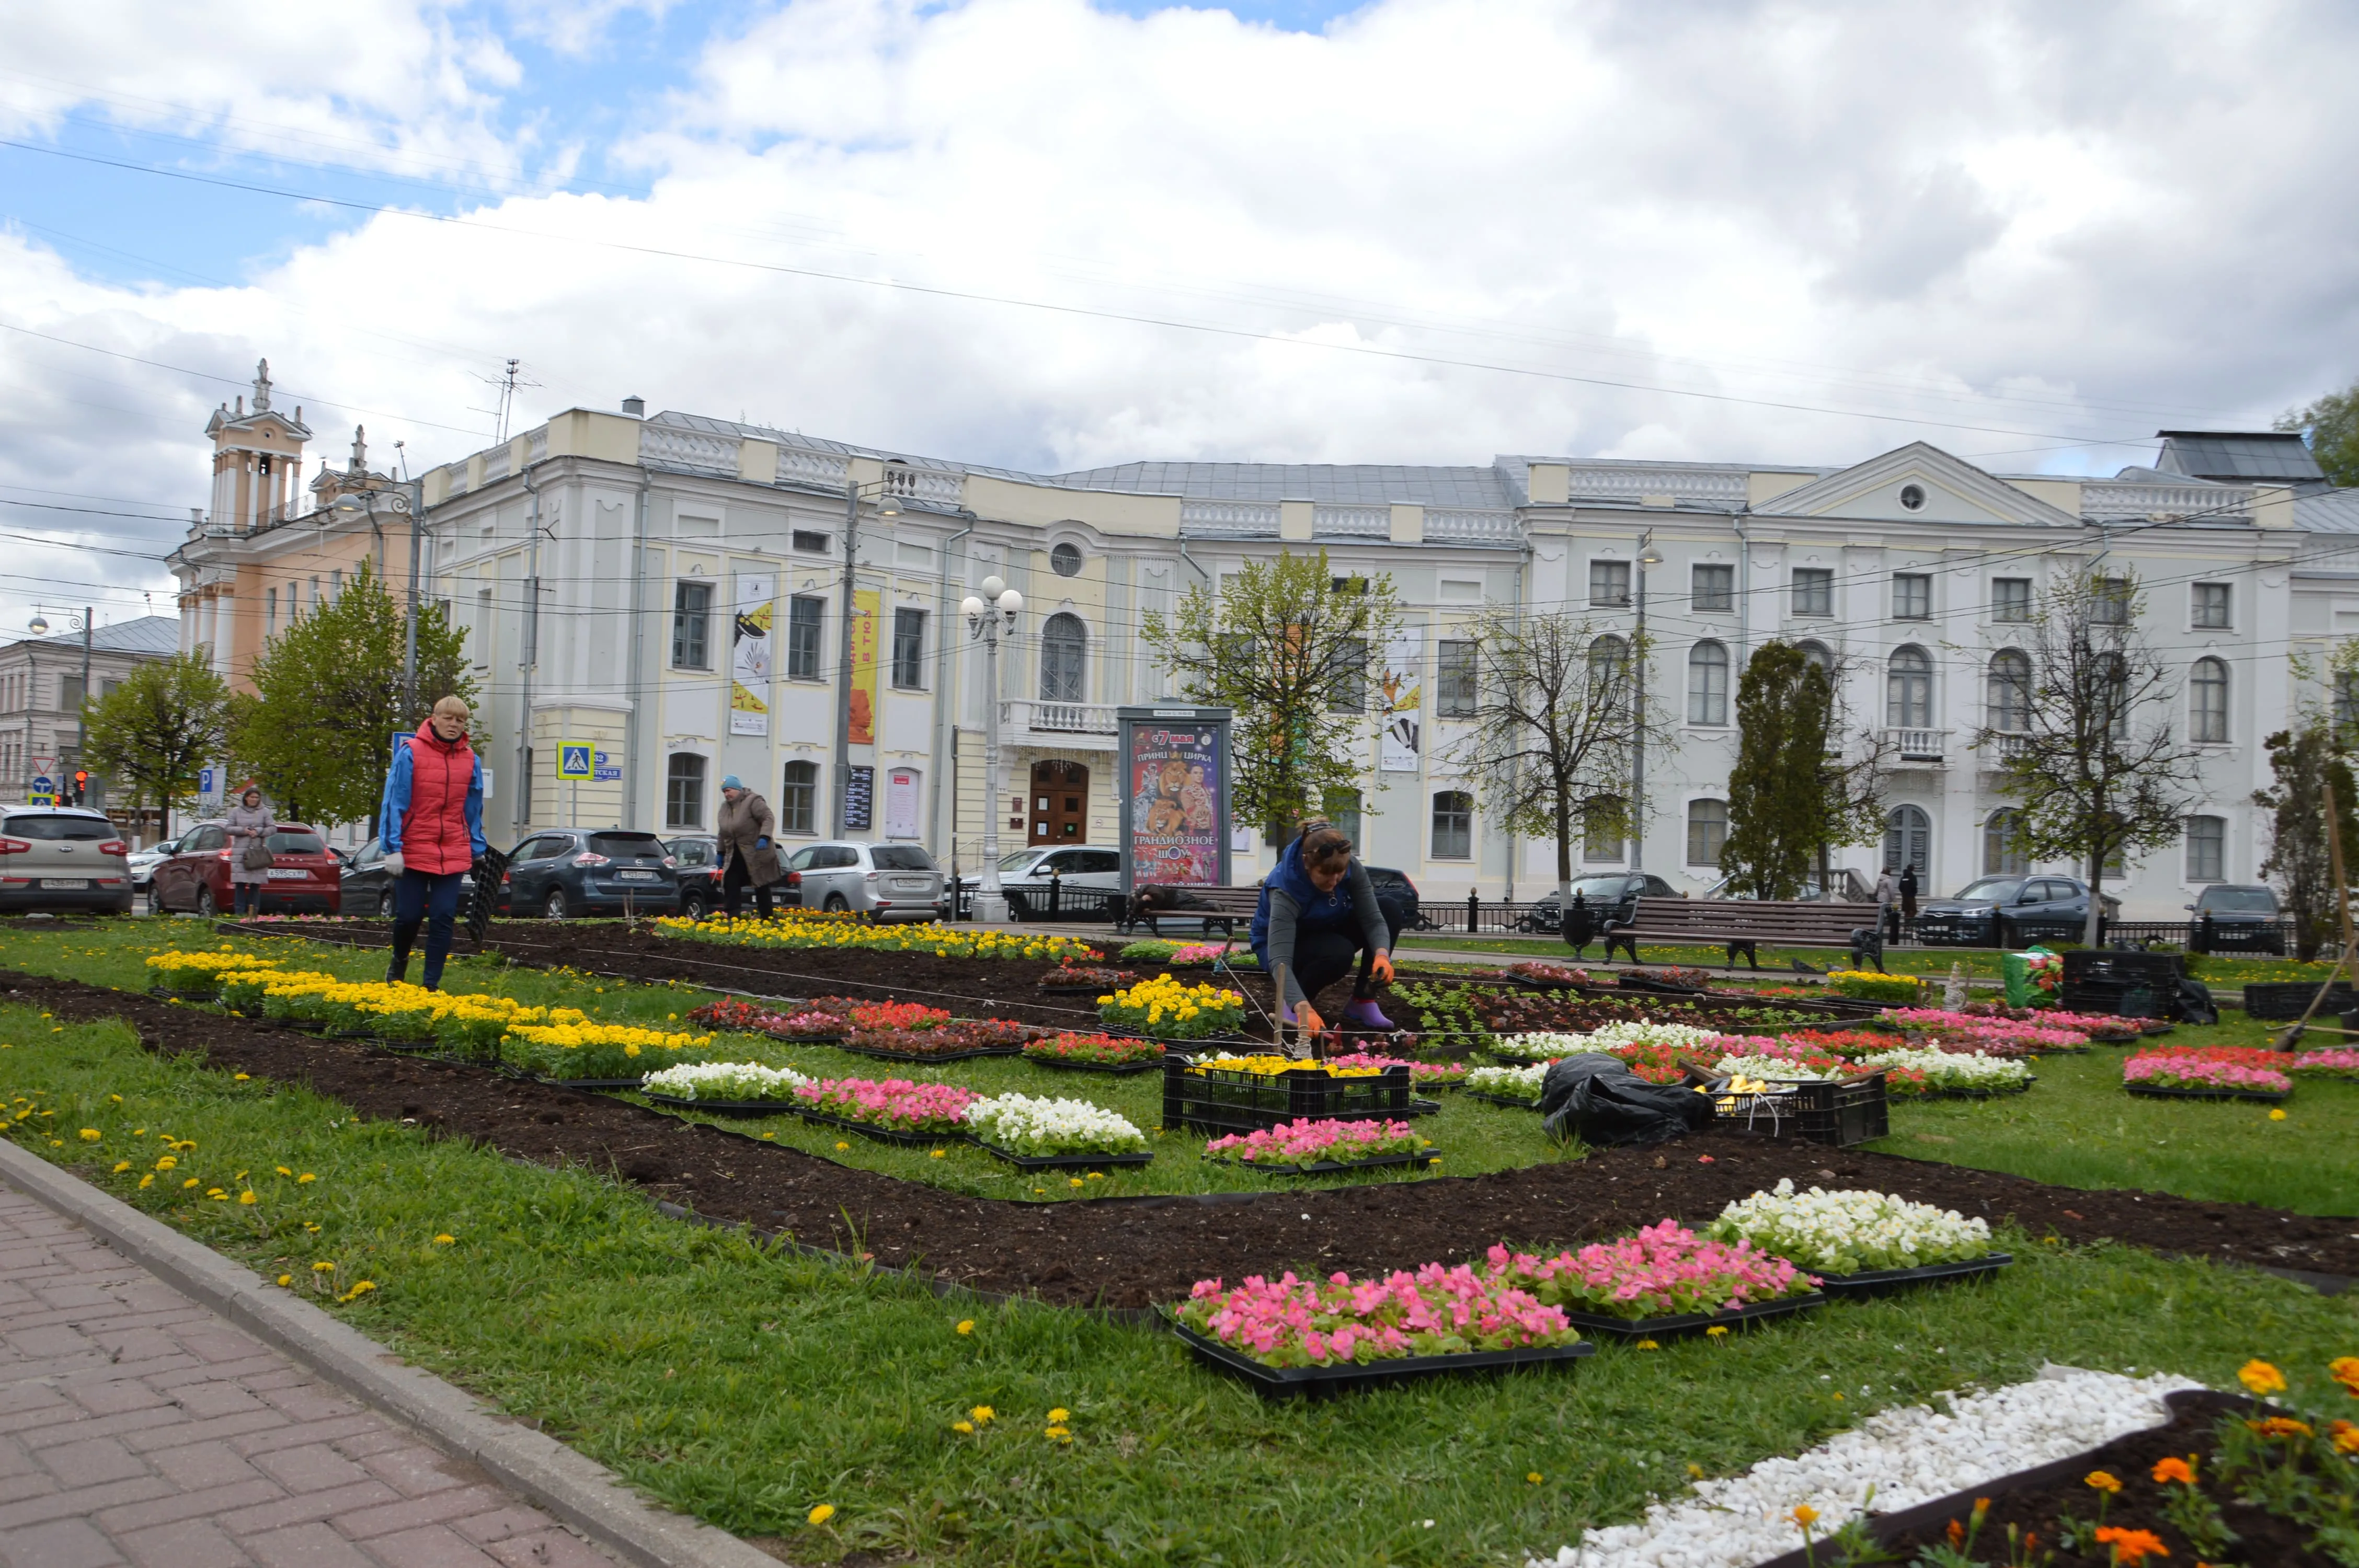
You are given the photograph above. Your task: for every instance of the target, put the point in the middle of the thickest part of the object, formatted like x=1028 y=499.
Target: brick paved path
x=138 y=1427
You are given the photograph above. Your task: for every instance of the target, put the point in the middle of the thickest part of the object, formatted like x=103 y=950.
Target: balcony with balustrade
x=1918 y=748
x=1083 y=726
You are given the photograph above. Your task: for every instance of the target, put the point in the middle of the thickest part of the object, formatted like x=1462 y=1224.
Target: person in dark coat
x=1907 y=893
x=432 y=822
x=1318 y=910
x=749 y=856
x=1580 y=924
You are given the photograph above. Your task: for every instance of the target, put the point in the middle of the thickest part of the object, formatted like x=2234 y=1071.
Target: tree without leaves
x=318 y=734
x=2331 y=426
x=1284 y=649
x=1555 y=723
x=158 y=727
x=2098 y=771
x=2306 y=762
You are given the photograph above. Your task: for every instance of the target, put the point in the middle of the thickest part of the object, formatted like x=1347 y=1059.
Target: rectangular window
x=335 y=585
x=908 y=648
x=2011 y=599
x=2109 y=602
x=691 y=625
x=1609 y=583
x=2211 y=606
x=480 y=636
x=810 y=542
x=1814 y=590
x=2207 y=850
x=1453 y=826
x=1714 y=588
x=684 y=791
x=1602 y=841
x=270 y=612
x=70 y=693
x=798 y=800
x=1707 y=831
x=1454 y=691
x=1347 y=691
x=805 y=615
x=1912 y=595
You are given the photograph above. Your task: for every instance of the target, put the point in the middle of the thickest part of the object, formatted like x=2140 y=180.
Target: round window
x=1912 y=496
x=1066 y=559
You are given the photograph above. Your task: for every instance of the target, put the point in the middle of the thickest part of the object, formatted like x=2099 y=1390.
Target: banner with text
x=749 y=659
x=864 y=694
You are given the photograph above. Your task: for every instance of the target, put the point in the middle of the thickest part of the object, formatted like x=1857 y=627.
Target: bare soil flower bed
x=1134 y=1252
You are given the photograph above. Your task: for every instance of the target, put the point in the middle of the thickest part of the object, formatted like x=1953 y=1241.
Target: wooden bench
x=1740 y=926
x=1224 y=907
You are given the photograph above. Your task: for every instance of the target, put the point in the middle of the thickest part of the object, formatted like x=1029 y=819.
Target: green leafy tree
x=2097 y=770
x=1798 y=792
x=1285 y=647
x=157 y=728
x=2307 y=763
x=1555 y=724
x=2330 y=425
x=329 y=696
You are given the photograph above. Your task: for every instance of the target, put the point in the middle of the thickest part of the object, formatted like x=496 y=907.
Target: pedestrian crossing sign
x=573 y=761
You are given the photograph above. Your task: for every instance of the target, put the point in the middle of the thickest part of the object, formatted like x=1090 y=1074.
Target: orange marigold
x=2281 y=1426
x=2344 y=1436
x=2174 y=1469
x=2345 y=1371
x=2132 y=1546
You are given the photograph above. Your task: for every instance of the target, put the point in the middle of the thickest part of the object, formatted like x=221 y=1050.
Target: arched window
x=1453 y=824
x=1908 y=841
x=1816 y=654
x=2207 y=849
x=1707 y=831
x=1908 y=690
x=1609 y=673
x=1064 y=656
x=2207 y=704
x=1601 y=829
x=684 y=790
x=799 y=799
x=2009 y=693
x=2003 y=853
x=1708 y=683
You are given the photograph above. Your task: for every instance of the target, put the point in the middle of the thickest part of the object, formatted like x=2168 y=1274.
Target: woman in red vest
x=432 y=823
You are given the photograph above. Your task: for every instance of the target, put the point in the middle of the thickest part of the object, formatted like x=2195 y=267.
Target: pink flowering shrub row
x=1292 y=1322
x=2175 y=1071
x=1307 y=1143
x=1419 y=1071
x=1665 y=1271
x=1987 y=1037
x=2330 y=1064
x=896 y=1103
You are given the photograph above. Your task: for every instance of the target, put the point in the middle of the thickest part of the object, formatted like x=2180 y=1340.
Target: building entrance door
x=1060 y=803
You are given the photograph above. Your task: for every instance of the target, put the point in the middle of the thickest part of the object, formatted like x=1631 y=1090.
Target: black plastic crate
x=2163 y=971
x=1840 y=1114
x=1219 y=1100
x=2116 y=997
x=2291 y=998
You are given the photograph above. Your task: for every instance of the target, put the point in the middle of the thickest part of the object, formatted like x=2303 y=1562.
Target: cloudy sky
x=1045 y=234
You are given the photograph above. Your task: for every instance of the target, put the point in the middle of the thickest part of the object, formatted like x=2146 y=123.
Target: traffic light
x=81 y=784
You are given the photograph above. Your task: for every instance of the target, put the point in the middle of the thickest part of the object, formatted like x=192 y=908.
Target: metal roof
x=2234 y=455
x=2330 y=512
x=1365 y=484
x=158 y=634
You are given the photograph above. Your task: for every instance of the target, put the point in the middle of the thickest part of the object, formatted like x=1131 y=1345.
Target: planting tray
x=1122 y=1070
x=168 y=994
x=2022 y=1088
x=1331 y=1167
x=803 y=1038
x=2290 y=999
x=1511 y=1103
x=917 y=1059
x=1883 y=1281
x=1692 y=1322
x=1060 y=1162
x=881 y=1134
x=2163 y=1091
x=1320 y=1383
x=593 y=1083
x=1222 y=1101
x=724 y=1107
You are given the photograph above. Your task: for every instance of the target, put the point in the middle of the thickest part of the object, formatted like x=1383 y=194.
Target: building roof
x=2238 y=456
x=155 y=635
x=2329 y=511
x=1363 y=484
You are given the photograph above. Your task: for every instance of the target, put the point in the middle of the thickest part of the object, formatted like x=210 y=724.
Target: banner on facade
x=1174 y=777
x=901 y=803
x=1402 y=686
x=749 y=656
x=864 y=694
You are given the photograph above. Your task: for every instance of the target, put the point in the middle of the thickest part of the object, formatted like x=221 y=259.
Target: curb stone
x=572 y=1487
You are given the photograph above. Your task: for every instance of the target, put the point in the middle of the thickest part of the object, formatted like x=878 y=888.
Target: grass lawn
x=747 y=1386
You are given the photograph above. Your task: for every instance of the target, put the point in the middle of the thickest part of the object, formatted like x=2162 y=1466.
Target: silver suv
x=883 y=882
x=62 y=858
x=1047 y=878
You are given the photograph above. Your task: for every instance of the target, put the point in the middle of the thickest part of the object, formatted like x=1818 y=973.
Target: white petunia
x=1954 y=1069
x=1036 y=1125
x=726 y=1082
x=1851 y=1232
x=1508 y=1083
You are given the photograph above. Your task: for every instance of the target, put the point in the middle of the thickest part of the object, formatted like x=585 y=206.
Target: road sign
x=574 y=760
x=45 y=785
x=607 y=772
x=205 y=781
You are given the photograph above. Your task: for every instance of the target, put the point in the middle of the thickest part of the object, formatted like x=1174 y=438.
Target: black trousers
x=1324 y=954
x=734 y=881
x=430 y=899
x=248 y=897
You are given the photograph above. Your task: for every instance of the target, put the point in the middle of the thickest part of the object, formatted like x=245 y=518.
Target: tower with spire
x=258 y=460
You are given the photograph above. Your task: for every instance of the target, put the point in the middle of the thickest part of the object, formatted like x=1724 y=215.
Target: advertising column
x=1173 y=773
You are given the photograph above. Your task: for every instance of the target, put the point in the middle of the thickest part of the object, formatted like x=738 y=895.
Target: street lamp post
x=987 y=621
x=889 y=505
x=1647 y=557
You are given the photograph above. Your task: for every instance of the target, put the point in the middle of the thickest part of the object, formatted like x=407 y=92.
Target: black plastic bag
x=2195 y=1004
x=1597 y=1099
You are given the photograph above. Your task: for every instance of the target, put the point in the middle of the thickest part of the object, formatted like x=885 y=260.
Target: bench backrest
x=1799 y=919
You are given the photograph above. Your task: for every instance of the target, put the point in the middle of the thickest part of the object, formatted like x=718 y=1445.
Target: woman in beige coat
x=748 y=858
x=247 y=821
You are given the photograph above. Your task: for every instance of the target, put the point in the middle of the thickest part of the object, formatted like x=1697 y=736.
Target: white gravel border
x=1909 y=1456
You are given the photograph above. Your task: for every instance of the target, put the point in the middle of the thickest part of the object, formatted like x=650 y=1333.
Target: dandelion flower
x=821 y=1514
x=966 y=1326
x=91 y=1135
x=120 y=1166
x=324 y=1268
x=247 y=1198
x=243 y=1077
x=1059 y=1416
x=941 y=1155
x=445 y=1240
x=306 y=1179
x=1649 y=1344
x=147 y=1180
x=965 y=1426
x=286 y=1279
x=1715 y=1331
x=282 y=1170
x=190 y=1183
x=983 y=1414
x=2278 y=1113
x=843 y=1146
x=1533 y=1477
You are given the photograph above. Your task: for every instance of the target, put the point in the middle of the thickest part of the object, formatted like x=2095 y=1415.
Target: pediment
x=1950 y=491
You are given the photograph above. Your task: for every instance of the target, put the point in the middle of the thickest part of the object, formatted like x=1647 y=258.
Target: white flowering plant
x=1786 y=1069
x=1613 y=1039
x=1851 y=1232
x=1036 y=1126
x=1953 y=1069
x=1508 y=1083
x=1541 y=1048
x=725 y=1083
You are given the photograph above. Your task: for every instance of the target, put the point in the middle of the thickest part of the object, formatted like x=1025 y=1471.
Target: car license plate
x=66 y=884
x=909 y=884
x=288 y=873
x=638 y=876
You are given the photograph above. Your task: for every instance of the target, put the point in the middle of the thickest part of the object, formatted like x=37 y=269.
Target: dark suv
x=565 y=871
x=697 y=858
x=1611 y=895
x=369 y=890
x=2007 y=912
x=2235 y=920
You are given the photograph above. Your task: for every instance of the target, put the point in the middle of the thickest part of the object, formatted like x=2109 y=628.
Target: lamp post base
x=989 y=907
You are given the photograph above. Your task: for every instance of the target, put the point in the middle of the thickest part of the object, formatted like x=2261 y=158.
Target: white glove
x=393 y=864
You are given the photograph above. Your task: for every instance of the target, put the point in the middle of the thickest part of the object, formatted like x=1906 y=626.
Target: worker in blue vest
x=1318 y=913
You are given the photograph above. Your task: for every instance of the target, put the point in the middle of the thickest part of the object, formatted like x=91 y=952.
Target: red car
x=304 y=878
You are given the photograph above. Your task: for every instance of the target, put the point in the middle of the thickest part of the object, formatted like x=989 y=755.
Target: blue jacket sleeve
x=389 y=816
x=475 y=808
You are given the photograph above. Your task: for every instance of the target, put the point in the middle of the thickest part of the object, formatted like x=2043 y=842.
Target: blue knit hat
x=733 y=782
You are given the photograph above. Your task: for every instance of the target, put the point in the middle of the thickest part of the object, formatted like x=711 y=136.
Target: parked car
x=304 y=879
x=883 y=882
x=1396 y=884
x=2235 y=920
x=561 y=872
x=2007 y=912
x=697 y=858
x=142 y=863
x=368 y=889
x=58 y=859
x=1611 y=895
x=1084 y=880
